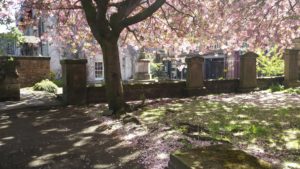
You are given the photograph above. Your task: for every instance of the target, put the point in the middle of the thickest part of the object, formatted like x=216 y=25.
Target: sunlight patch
x=290 y=165
x=162 y=156
x=91 y=129
x=8 y=138
x=1 y=143
x=255 y=148
x=82 y=142
x=38 y=162
x=130 y=157
x=4 y=127
x=103 y=166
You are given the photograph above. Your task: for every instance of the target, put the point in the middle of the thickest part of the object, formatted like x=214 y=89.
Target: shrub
x=276 y=87
x=58 y=82
x=46 y=85
x=293 y=90
x=157 y=70
x=51 y=76
x=270 y=63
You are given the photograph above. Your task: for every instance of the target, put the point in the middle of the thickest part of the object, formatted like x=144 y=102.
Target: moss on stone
x=216 y=157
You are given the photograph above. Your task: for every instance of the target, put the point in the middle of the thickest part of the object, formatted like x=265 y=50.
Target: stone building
x=53 y=49
x=217 y=65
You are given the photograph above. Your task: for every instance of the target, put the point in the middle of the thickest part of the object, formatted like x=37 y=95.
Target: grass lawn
x=264 y=124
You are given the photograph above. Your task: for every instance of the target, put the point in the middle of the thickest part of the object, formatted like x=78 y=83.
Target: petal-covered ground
x=263 y=124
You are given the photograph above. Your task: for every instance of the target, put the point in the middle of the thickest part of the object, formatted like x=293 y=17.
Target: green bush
x=276 y=87
x=157 y=70
x=46 y=85
x=51 y=76
x=293 y=90
x=58 y=82
x=270 y=63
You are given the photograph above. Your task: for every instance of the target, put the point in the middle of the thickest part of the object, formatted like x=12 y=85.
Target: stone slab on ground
x=215 y=157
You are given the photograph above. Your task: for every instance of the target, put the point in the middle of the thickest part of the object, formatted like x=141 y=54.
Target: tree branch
x=143 y=14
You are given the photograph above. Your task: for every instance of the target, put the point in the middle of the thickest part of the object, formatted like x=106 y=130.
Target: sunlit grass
x=260 y=129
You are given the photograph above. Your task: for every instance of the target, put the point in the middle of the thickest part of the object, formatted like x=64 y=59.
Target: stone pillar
x=296 y=46
x=296 y=43
x=74 y=81
x=248 y=77
x=142 y=70
x=194 y=79
x=9 y=83
x=291 y=58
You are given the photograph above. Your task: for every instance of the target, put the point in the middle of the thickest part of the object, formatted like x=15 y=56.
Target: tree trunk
x=112 y=75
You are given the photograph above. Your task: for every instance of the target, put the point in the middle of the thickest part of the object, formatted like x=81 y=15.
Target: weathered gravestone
x=215 y=157
x=142 y=69
x=194 y=80
x=9 y=84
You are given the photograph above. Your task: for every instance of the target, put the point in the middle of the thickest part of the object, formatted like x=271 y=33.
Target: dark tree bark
x=112 y=73
x=107 y=32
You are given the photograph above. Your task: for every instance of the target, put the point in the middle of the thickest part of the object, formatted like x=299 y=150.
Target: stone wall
x=32 y=69
x=96 y=94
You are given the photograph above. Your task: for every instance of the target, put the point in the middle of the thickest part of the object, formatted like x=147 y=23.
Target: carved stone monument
x=194 y=80
x=142 y=69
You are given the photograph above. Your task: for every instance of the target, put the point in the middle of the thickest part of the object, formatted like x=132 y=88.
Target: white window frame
x=99 y=71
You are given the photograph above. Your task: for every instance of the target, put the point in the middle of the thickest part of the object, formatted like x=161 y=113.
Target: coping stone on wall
x=31 y=58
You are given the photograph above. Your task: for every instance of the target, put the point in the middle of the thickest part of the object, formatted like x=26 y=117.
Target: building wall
x=91 y=77
x=128 y=56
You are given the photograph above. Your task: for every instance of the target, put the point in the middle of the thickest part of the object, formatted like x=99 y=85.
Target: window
x=45 y=49
x=41 y=27
x=98 y=70
x=10 y=48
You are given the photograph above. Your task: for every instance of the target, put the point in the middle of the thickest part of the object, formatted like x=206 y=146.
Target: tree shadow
x=60 y=137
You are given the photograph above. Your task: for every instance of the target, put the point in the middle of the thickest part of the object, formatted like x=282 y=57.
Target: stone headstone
x=194 y=79
x=215 y=157
x=142 y=70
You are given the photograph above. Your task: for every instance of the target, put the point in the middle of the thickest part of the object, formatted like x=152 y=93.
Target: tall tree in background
x=171 y=24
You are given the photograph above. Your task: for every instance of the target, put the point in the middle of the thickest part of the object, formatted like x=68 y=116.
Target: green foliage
x=293 y=90
x=186 y=143
x=1 y=52
x=276 y=87
x=58 y=82
x=157 y=70
x=14 y=34
x=51 y=76
x=256 y=130
x=10 y=59
x=270 y=63
x=46 y=85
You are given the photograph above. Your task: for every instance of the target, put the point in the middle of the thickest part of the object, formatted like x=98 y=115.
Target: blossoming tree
x=168 y=23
